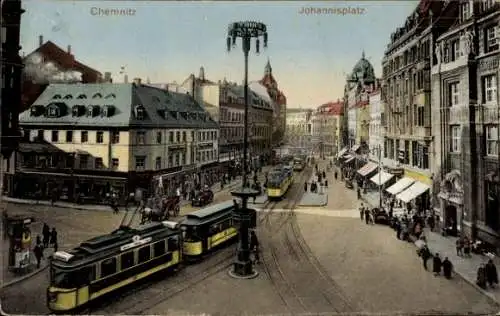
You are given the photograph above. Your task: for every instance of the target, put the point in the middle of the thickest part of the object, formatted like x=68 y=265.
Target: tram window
x=84 y=275
x=144 y=254
x=190 y=234
x=108 y=267
x=159 y=248
x=127 y=260
x=173 y=243
x=61 y=278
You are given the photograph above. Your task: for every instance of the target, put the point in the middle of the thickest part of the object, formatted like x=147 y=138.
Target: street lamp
x=247 y=30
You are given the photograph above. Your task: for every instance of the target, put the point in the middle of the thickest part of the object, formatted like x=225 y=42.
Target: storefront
x=419 y=194
x=451 y=202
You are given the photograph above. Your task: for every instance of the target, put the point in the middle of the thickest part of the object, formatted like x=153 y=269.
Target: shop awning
x=381 y=178
x=342 y=152
x=367 y=169
x=400 y=185
x=412 y=192
x=354 y=148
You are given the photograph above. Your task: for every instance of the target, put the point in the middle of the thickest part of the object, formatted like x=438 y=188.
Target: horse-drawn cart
x=160 y=209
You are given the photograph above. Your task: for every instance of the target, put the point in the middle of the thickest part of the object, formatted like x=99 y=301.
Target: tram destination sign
x=136 y=241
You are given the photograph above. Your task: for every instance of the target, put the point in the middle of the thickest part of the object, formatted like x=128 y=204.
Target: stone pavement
x=466 y=268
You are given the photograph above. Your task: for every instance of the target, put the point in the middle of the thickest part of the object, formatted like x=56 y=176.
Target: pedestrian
x=46 y=235
x=39 y=241
x=324 y=174
x=425 y=254
x=362 y=211
x=447 y=268
x=491 y=273
x=254 y=246
x=326 y=183
x=459 y=244
x=436 y=265
x=467 y=246
x=53 y=238
x=481 y=276
x=367 y=216
x=398 y=229
x=305 y=186
x=38 y=251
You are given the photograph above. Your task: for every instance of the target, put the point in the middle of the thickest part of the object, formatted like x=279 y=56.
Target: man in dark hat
x=436 y=265
x=447 y=268
x=491 y=273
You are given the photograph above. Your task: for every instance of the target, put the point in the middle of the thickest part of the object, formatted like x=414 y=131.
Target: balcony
x=458 y=114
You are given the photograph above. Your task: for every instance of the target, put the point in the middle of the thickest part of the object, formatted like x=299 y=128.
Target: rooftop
x=115 y=105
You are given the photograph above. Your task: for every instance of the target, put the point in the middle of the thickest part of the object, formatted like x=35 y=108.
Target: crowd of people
x=49 y=240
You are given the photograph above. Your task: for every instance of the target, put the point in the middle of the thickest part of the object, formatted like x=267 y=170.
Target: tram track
x=290 y=264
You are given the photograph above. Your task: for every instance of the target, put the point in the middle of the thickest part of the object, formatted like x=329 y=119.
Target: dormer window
x=57 y=96
x=92 y=110
x=108 y=110
x=175 y=114
x=140 y=112
x=82 y=96
x=97 y=96
x=184 y=115
x=110 y=96
x=68 y=96
x=77 y=110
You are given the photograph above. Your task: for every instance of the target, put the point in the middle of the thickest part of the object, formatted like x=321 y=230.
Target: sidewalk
x=10 y=277
x=466 y=268
x=98 y=207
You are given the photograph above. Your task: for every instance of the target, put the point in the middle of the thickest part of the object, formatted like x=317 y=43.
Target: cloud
x=41 y=72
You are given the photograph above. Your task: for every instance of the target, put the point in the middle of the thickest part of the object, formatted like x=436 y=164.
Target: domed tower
x=363 y=71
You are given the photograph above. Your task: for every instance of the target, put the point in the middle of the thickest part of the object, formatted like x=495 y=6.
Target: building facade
x=279 y=99
x=465 y=118
x=84 y=140
x=359 y=84
x=299 y=128
x=376 y=129
x=327 y=128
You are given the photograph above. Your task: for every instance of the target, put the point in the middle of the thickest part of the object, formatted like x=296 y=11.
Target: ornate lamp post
x=248 y=30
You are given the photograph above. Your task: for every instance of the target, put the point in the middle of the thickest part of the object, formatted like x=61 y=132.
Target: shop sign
x=396 y=171
x=418 y=176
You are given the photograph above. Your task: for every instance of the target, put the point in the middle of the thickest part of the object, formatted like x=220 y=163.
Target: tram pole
x=247 y=30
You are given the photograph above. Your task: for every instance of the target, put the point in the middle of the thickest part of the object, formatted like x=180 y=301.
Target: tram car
x=208 y=229
x=109 y=262
x=279 y=181
x=299 y=164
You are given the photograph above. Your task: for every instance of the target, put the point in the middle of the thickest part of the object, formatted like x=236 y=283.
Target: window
x=144 y=254
x=69 y=136
x=108 y=267
x=491 y=37
x=491 y=140
x=487 y=4
x=465 y=10
x=40 y=134
x=178 y=137
x=173 y=243
x=98 y=163
x=127 y=260
x=53 y=111
x=99 y=137
x=159 y=248
x=115 y=137
x=158 y=137
x=420 y=116
x=141 y=138
x=192 y=136
x=140 y=162
x=158 y=163
x=184 y=137
x=55 y=136
x=492 y=203
x=171 y=137
x=140 y=113
x=84 y=136
x=454 y=94
x=455 y=50
x=455 y=139
x=84 y=161
x=115 y=163
x=490 y=89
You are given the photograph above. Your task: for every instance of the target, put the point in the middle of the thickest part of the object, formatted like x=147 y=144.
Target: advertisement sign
x=22 y=259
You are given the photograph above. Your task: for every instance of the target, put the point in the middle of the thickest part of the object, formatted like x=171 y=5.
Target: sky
x=165 y=41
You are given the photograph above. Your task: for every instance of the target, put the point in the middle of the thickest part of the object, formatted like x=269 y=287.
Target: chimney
x=69 y=49
x=125 y=79
x=137 y=81
x=40 y=40
x=107 y=77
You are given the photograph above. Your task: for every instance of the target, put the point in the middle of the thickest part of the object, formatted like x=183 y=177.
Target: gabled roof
x=124 y=97
x=61 y=57
x=332 y=108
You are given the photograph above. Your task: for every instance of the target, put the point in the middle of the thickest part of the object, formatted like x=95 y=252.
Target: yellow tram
x=279 y=181
x=208 y=228
x=107 y=263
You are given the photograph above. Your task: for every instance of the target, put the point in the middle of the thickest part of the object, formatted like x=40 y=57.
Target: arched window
x=97 y=96
x=111 y=95
x=68 y=96
x=57 y=96
x=82 y=96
